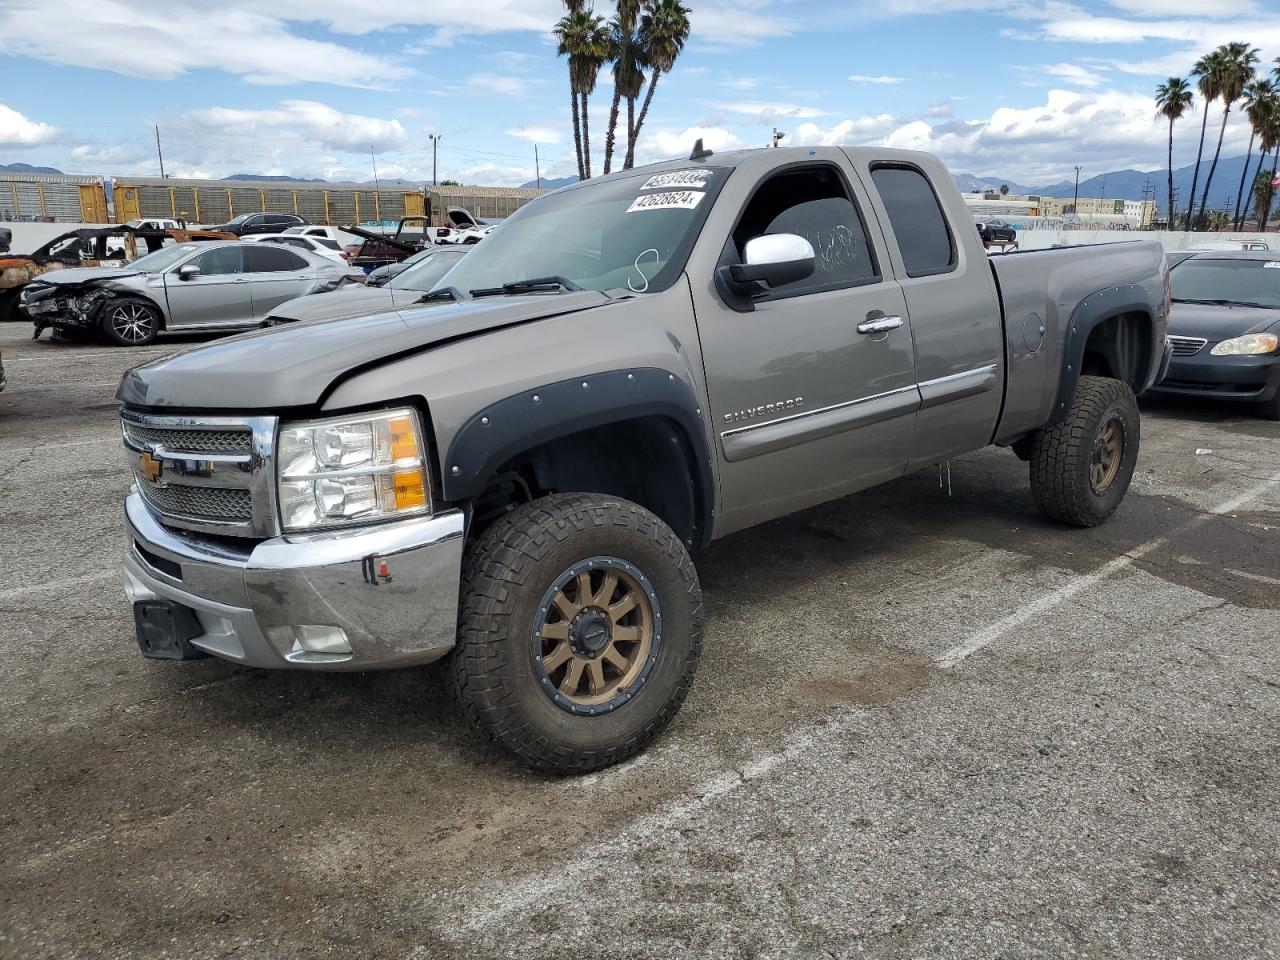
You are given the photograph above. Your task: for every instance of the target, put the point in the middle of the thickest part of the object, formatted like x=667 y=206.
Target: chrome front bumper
x=391 y=589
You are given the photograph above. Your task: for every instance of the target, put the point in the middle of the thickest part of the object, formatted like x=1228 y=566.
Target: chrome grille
x=213 y=474
x=218 y=504
x=191 y=441
x=1187 y=346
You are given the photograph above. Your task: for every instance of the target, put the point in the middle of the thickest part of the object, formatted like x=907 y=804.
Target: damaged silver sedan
x=207 y=286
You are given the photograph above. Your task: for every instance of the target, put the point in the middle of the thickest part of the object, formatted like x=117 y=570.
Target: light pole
x=1075 y=197
x=777 y=136
x=435 y=141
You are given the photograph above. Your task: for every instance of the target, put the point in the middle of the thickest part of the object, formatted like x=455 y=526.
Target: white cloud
x=172 y=39
x=16 y=130
x=1194 y=35
x=883 y=79
x=716 y=25
x=762 y=112
x=666 y=144
x=1075 y=74
x=538 y=133
x=865 y=129
x=496 y=83
x=305 y=121
x=1186 y=8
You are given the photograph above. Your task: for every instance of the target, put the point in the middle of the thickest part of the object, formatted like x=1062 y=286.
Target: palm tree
x=664 y=28
x=627 y=55
x=1262 y=192
x=1259 y=101
x=1236 y=66
x=581 y=37
x=1207 y=72
x=1173 y=97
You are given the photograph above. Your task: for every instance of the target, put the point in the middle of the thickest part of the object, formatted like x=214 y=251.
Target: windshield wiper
x=444 y=293
x=1222 y=302
x=528 y=286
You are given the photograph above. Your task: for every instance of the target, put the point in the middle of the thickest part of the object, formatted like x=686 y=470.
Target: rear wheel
x=1081 y=468
x=580 y=631
x=130 y=323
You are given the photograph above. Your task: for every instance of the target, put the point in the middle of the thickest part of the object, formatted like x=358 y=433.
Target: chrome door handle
x=881 y=324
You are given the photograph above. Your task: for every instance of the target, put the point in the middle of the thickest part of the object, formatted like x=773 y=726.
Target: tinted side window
x=923 y=235
x=270 y=258
x=813 y=203
x=219 y=262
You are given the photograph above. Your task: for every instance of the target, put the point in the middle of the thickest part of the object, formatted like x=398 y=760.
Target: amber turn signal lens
x=404 y=440
x=411 y=489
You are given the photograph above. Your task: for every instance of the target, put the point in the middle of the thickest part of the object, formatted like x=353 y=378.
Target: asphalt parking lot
x=928 y=723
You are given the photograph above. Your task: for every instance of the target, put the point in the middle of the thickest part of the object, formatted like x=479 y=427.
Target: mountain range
x=1117 y=184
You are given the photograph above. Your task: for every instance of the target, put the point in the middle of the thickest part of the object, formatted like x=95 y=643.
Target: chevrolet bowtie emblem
x=150 y=467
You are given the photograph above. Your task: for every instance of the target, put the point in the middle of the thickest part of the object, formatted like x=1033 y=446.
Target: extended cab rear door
x=951 y=299
x=808 y=402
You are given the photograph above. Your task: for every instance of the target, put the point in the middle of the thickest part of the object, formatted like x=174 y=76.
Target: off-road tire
x=1061 y=457
x=115 y=338
x=506 y=572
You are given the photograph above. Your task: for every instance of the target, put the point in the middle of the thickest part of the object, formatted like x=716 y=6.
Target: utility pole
x=537 y=167
x=435 y=141
x=374 y=160
x=158 y=153
x=1075 y=197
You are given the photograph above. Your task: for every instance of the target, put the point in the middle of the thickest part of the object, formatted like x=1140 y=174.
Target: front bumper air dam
x=391 y=589
x=1254 y=378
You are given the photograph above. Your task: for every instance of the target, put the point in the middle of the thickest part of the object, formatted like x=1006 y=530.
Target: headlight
x=350 y=470
x=1249 y=345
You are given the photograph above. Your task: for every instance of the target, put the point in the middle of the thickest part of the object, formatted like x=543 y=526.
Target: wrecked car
x=86 y=248
x=190 y=287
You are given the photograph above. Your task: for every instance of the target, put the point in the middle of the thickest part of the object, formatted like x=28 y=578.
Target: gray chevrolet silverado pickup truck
x=512 y=475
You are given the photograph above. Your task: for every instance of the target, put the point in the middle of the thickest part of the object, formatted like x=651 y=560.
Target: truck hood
x=352 y=301
x=295 y=365
x=1215 y=322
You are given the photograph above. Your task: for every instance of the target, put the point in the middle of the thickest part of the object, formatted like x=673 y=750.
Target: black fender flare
x=533 y=417
x=1093 y=310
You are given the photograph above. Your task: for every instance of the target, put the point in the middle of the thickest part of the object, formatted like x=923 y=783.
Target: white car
x=336 y=234
x=1230 y=245
x=155 y=223
x=320 y=246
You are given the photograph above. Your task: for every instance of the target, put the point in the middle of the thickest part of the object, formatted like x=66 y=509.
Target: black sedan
x=1225 y=328
x=994 y=230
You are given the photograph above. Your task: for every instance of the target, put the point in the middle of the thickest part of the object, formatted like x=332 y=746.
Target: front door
x=217 y=296
x=277 y=274
x=806 y=407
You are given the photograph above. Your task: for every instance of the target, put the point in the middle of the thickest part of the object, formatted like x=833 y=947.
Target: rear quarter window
x=924 y=238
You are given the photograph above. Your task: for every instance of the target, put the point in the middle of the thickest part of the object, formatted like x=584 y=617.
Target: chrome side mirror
x=773 y=260
x=188 y=272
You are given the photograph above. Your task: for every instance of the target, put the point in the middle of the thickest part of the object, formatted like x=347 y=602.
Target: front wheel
x=579 y=633
x=130 y=323
x=1081 y=467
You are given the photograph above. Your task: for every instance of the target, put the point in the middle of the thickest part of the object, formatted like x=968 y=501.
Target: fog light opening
x=318 y=638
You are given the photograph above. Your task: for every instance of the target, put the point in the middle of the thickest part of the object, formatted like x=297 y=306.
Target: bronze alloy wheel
x=596 y=636
x=1108 y=454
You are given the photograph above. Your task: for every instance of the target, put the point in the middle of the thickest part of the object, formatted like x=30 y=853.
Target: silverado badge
x=150 y=467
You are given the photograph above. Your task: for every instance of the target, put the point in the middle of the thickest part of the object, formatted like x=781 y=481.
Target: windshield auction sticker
x=672 y=200
x=690 y=179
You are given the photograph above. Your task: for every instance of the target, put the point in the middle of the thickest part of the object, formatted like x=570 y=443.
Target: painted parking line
x=989 y=635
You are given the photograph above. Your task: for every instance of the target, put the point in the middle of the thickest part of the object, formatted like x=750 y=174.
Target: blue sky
x=1015 y=88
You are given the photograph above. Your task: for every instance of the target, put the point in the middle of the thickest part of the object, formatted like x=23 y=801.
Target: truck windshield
x=1248 y=282
x=634 y=233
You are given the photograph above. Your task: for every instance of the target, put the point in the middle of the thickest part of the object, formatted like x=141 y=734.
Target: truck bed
x=1041 y=291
